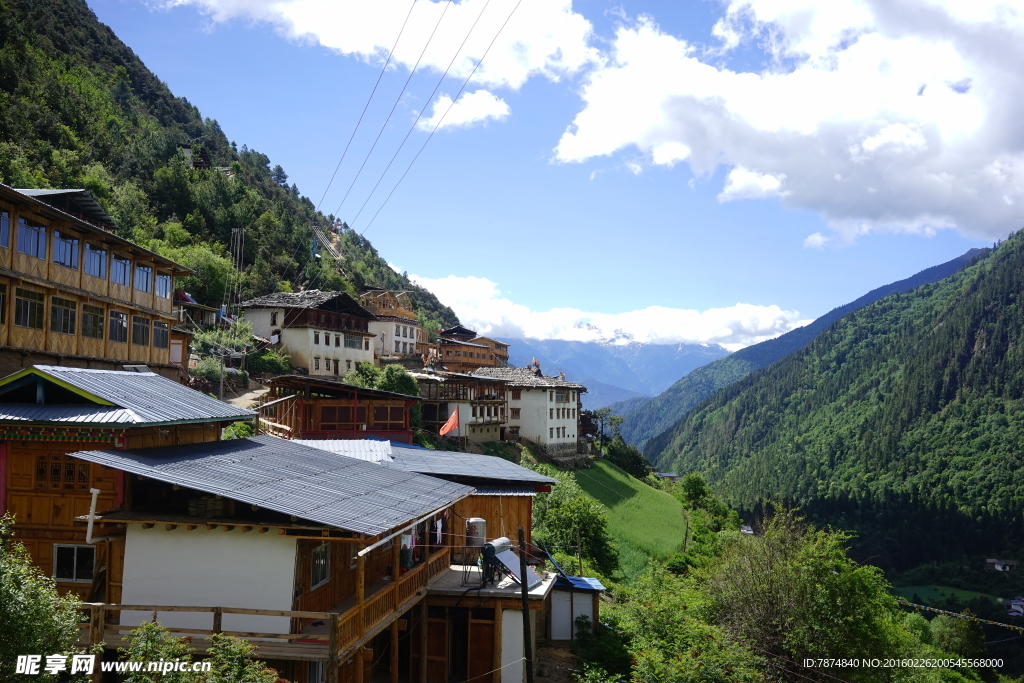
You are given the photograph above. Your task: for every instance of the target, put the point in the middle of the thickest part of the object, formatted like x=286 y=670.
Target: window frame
x=65 y=250
x=122 y=319
x=38 y=237
x=324 y=562
x=117 y=263
x=5 y=228
x=95 y=255
x=163 y=285
x=353 y=342
x=37 y=306
x=161 y=332
x=148 y=282
x=136 y=327
x=95 y=312
x=66 y=321
x=75 y=571
x=3 y=303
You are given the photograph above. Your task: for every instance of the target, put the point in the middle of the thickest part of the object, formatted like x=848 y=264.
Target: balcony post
x=332 y=657
x=360 y=590
x=424 y=626
x=394 y=651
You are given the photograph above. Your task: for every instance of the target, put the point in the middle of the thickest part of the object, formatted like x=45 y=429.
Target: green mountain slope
x=646 y=425
x=903 y=421
x=79 y=109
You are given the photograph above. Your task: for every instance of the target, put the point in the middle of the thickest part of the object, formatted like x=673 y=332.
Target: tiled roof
x=313 y=298
x=135 y=398
x=526 y=377
x=292 y=479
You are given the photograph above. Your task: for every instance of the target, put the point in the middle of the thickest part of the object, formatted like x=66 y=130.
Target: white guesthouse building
x=325 y=332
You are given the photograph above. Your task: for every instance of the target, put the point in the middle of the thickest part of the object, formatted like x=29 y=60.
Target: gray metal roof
x=292 y=479
x=77 y=200
x=79 y=414
x=505 y=491
x=148 y=397
x=424 y=461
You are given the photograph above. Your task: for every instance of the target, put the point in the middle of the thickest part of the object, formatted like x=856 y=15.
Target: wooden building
x=48 y=412
x=326 y=333
x=498 y=349
x=74 y=293
x=301 y=407
x=482 y=404
x=397 y=329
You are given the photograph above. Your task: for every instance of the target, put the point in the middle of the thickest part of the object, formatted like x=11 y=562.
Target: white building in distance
x=544 y=410
x=327 y=333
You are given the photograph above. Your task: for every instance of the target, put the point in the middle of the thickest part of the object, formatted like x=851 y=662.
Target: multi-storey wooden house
x=326 y=333
x=482 y=403
x=74 y=293
x=459 y=350
x=48 y=412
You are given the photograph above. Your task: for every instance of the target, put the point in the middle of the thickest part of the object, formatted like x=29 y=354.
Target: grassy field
x=932 y=594
x=648 y=521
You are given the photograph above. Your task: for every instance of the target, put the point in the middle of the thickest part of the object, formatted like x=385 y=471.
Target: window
x=160 y=335
x=95 y=261
x=118 y=327
x=316 y=363
x=62 y=315
x=65 y=250
x=31 y=239
x=551 y=413
x=551 y=432
x=163 y=286
x=366 y=344
x=337 y=340
x=348 y=365
x=320 y=566
x=317 y=672
x=353 y=342
x=405 y=347
x=405 y=331
x=3 y=304
x=56 y=472
x=337 y=365
x=561 y=397
x=398 y=330
x=92 y=321
x=28 y=309
x=515 y=413
x=398 y=345
x=143 y=278
x=5 y=229
x=140 y=331
x=316 y=337
x=73 y=562
x=517 y=394
x=273 y=318
x=474 y=411
x=551 y=396
x=121 y=271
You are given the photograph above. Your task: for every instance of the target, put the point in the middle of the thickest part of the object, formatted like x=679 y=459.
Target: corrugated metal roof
x=505 y=491
x=82 y=414
x=425 y=461
x=293 y=479
x=152 y=398
x=362 y=449
x=585 y=583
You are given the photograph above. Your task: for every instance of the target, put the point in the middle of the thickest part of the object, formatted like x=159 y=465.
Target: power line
x=394 y=106
x=439 y=121
x=367 y=105
x=420 y=114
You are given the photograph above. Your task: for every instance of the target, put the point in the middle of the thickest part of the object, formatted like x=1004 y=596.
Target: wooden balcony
x=348 y=627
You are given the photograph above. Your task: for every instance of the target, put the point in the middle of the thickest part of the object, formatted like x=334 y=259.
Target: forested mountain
x=614 y=372
x=902 y=421
x=645 y=427
x=79 y=109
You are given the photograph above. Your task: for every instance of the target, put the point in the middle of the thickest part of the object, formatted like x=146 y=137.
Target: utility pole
x=579 y=550
x=220 y=392
x=527 y=643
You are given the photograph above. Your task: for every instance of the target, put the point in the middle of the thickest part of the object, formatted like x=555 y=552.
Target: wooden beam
x=332 y=657
x=394 y=652
x=424 y=627
x=170 y=527
x=218 y=617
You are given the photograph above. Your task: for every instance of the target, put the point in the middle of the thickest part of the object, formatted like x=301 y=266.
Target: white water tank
x=476 y=532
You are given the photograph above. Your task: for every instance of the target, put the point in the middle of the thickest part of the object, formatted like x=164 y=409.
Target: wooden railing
x=344 y=633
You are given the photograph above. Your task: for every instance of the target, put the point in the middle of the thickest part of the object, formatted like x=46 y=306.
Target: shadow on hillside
x=598 y=483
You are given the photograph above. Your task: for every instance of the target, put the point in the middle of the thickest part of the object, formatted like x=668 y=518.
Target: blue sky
x=658 y=170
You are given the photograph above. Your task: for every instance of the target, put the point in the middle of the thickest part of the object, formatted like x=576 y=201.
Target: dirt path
x=247 y=399
x=556 y=664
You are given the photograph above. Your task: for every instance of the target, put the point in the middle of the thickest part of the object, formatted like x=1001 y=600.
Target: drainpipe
x=92 y=516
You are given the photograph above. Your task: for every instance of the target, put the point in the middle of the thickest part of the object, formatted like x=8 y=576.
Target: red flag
x=452 y=423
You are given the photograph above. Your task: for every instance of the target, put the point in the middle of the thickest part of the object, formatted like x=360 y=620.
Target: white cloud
x=745 y=184
x=879 y=116
x=815 y=241
x=669 y=153
x=543 y=37
x=480 y=304
x=473 y=107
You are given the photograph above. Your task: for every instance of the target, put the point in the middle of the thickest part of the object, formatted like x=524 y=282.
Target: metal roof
x=292 y=479
x=425 y=461
x=82 y=200
x=322 y=384
x=145 y=397
x=505 y=491
x=311 y=298
x=79 y=414
x=361 y=449
x=579 y=583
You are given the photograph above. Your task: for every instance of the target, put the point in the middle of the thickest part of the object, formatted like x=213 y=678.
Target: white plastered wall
x=208 y=568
